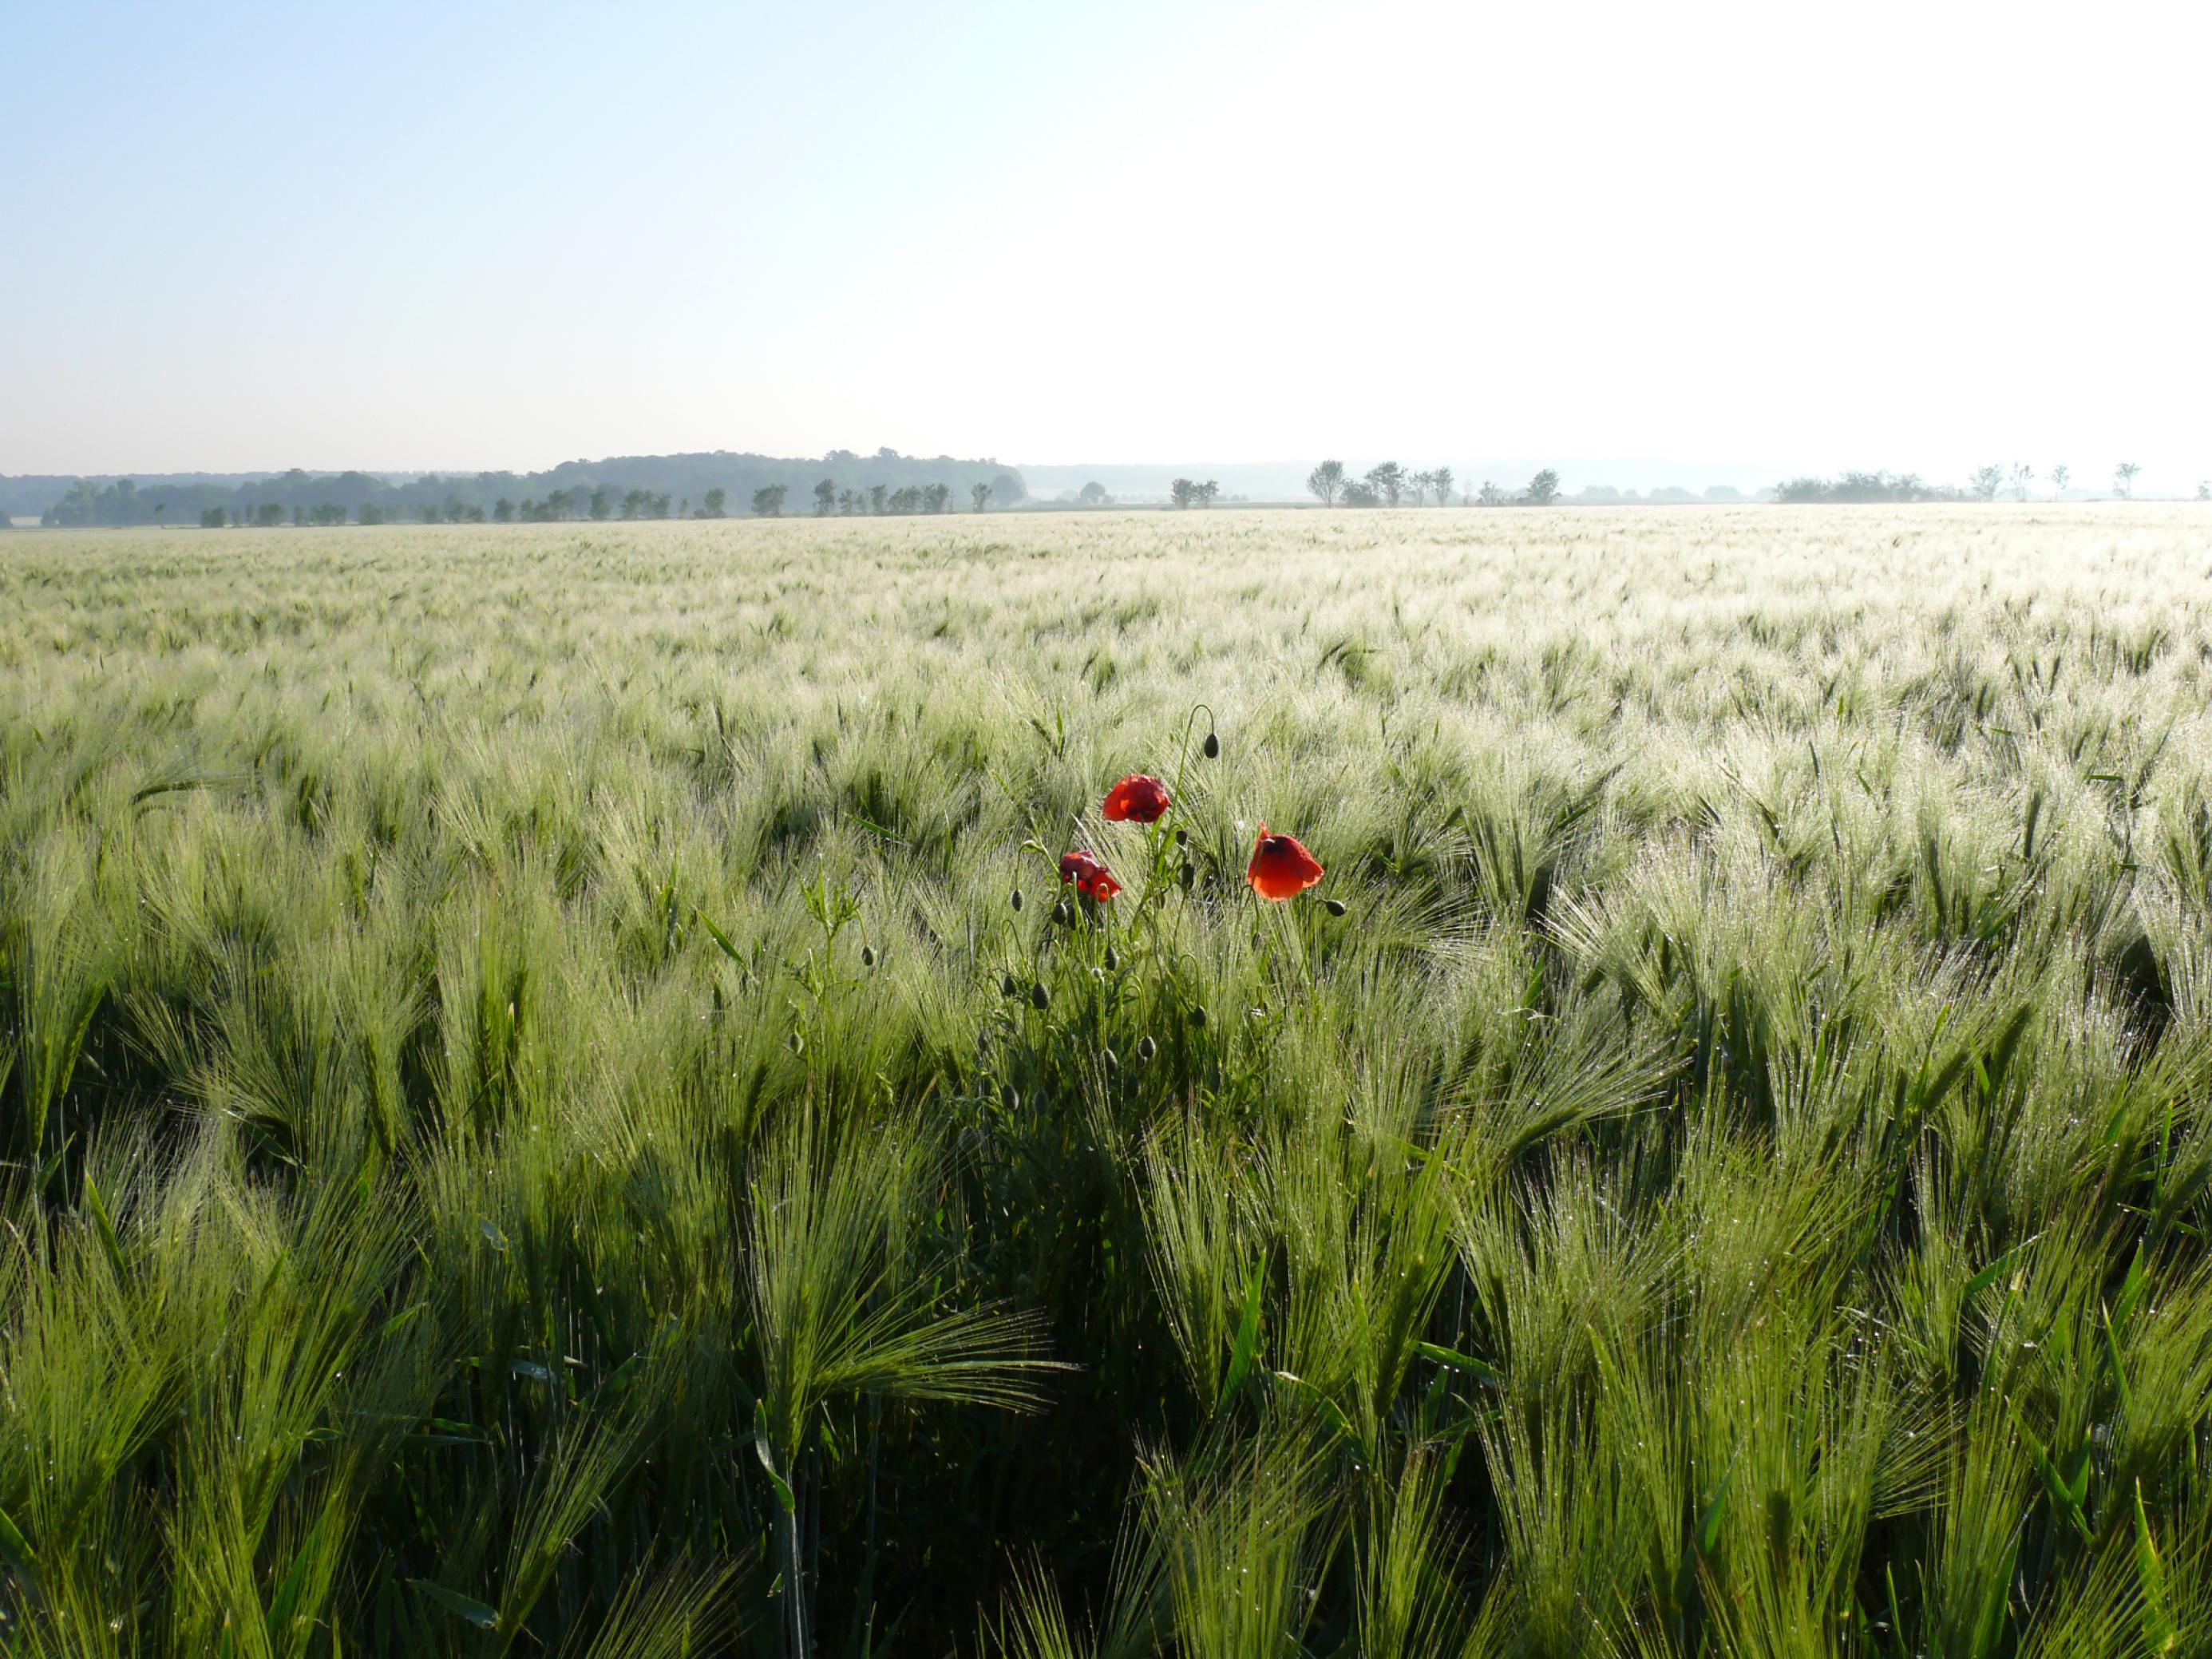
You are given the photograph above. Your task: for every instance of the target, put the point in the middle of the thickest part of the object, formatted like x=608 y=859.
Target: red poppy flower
x=1139 y=799
x=1281 y=866
x=1091 y=879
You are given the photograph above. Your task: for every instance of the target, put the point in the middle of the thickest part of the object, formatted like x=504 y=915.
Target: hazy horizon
x=236 y=236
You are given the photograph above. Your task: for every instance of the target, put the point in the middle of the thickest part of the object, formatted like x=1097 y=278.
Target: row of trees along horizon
x=1385 y=484
x=634 y=487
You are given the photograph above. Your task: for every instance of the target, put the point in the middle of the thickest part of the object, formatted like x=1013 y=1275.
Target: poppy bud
x=1198 y=1017
x=1040 y=999
x=1112 y=961
x=1182 y=837
x=1017 y=900
x=1213 y=745
x=1009 y=1096
x=1010 y=986
x=796 y=1043
x=1106 y=1057
x=868 y=956
x=1061 y=914
x=1187 y=874
x=1146 y=1047
x=1335 y=907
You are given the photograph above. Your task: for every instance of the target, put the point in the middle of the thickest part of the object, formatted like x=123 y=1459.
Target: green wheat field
x=555 y=1101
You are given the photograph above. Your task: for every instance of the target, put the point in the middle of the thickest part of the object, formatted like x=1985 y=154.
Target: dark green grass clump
x=530 y=1121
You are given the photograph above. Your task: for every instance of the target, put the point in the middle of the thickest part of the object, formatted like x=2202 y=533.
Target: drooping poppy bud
x=1009 y=1096
x=1335 y=907
x=1146 y=1047
x=1213 y=746
x=1138 y=799
x=1016 y=901
x=1281 y=867
x=868 y=956
x=1010 y=986
x=1112 y=961
x=1040 y=999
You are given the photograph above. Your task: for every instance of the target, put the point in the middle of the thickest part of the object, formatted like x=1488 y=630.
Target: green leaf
x=286 y=1598
x=108 y=1241
x=490 y=1229
x=1328 y=1408
x=1462 y=1361
x=1709 y=1524
x=784 y=1495
x=2062 y=1493
x=13 y=1541
x=1990 y=1275
x=2159 y=1633
x=718 y=936
x=1248 y=1337
x=462 y=1606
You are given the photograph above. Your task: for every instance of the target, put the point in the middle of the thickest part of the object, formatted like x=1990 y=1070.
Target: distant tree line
x=1389 y=484
x=1986 y=484
x=635 y=487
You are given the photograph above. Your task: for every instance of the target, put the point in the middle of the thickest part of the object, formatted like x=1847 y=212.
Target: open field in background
x=532 y=1123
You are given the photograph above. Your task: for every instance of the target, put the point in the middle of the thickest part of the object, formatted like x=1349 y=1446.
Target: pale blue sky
x=1916 y=235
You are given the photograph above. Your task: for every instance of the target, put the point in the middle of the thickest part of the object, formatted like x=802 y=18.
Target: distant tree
x=825 y=497
x=2204 y=489
x=1327 y=482
x=980 y=495
x=1359 y=493
x=559 y=503
x=1206 y=493
x=1543 y=490
x=329 y=514
x=937 y=497
x=1182 y=492
x=684 y=508
x=1441 y=481
x=212 y=518
x=1093 y=495
x=2023 y=476
x=660 y=505
x=718 y=504
x=633 y=503
x=849 y=502
x=879 y=497
x=370 y=514
x=2123 y=479
x=1491 y=496
x=768 y=501
x=427 y=511
x=299 y=515
x=602 y=504
x=1387 y=479
x=2059 y=475
x=1986 y=483
x=269 y=515
x=1417 y=486
x=503 y=510
x=1007 y=488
